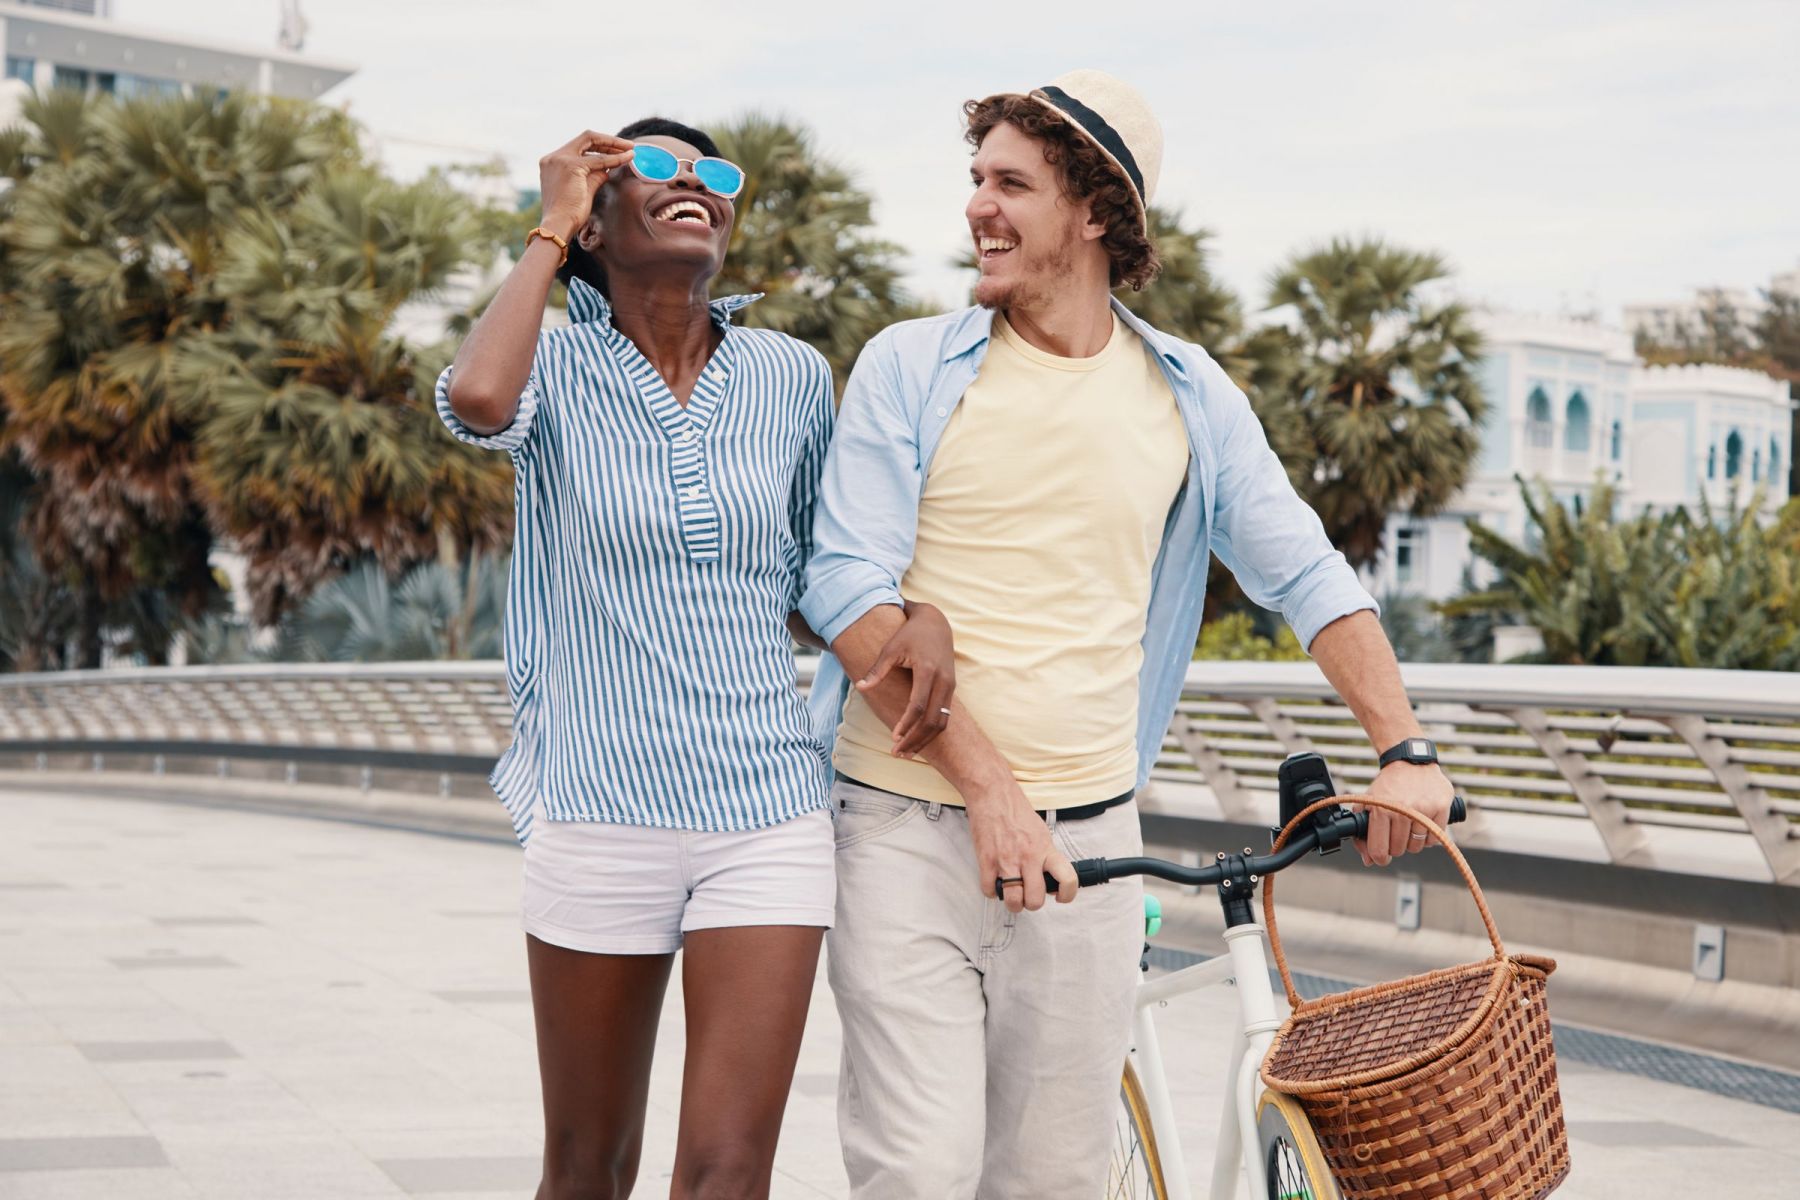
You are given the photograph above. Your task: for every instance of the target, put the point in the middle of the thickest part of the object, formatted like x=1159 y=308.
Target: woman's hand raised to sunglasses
x=570 y=176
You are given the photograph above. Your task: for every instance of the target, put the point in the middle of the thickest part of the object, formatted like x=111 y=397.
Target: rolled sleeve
x=868 y=508
x=1268 y=537
x=513 y=438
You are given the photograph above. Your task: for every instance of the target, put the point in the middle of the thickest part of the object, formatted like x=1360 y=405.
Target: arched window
x=1756 y=465
x=1774 y=459
x=1538 y=431
x=1734 y=455
x=1575 y=433
x=1618 y=440
x=1712 y=462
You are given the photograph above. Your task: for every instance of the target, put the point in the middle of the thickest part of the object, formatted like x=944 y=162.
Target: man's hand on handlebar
x=1424 y=788
x=1015 y=856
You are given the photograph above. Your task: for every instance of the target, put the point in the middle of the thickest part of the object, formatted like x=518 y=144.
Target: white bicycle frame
x=1235 y=1153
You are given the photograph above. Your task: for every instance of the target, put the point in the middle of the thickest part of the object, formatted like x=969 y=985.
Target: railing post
x=1235 y=800
x=1286 y=731
x=1625 y=843
x=1770 y=828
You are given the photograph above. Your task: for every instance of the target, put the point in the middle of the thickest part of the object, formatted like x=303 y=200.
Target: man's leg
x=1059 y=1001
x=910 y=1091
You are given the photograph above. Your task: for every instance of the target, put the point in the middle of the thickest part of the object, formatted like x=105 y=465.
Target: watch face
x=1421 y=747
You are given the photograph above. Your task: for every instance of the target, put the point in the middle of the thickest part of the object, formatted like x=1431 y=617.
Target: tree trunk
x=88 y=626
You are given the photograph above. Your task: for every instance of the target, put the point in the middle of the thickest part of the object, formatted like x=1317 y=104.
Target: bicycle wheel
x=1133 y=1169
x=1292 y=1160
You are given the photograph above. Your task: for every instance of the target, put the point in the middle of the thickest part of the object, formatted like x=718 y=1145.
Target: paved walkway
x=205 y=1002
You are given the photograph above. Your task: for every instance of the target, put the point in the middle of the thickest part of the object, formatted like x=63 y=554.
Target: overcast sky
x=1565 y=156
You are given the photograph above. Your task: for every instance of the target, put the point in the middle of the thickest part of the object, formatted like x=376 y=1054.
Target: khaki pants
x=982 y=1050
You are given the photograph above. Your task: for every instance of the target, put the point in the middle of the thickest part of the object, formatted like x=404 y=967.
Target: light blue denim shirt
x=1237 y=503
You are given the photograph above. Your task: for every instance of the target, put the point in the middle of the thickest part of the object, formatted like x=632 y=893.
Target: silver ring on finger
x=1420 y=837
x=945 y=711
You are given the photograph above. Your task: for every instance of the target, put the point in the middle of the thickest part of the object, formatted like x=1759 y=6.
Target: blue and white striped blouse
x=657 y=554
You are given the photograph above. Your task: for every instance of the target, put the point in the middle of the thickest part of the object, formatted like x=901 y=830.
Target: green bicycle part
x=1152 y=915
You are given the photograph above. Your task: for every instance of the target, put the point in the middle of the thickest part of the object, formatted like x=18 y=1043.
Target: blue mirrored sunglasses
x=656 y=165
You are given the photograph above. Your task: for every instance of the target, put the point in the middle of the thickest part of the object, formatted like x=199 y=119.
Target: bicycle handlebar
x=1347 y=825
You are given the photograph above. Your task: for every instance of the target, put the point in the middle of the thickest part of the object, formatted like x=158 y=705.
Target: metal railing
x=1635 y=767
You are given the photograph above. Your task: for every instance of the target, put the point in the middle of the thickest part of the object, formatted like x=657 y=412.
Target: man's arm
x=1356 y=658
x=1011 y=840
x=1274 y=544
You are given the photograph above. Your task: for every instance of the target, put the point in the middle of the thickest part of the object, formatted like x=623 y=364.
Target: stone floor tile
x=79 y=1153
x=156 y=1051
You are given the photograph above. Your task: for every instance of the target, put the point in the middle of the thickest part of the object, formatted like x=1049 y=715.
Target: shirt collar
x=977 y=327
x=586 y=304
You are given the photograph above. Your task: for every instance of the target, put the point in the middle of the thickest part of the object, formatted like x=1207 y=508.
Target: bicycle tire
x=1134 y=1168
x=1293 y=1165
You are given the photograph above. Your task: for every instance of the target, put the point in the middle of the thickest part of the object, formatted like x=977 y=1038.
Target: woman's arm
x=494 y=363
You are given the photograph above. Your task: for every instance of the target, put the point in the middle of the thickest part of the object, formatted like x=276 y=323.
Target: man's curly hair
x=1087 y=175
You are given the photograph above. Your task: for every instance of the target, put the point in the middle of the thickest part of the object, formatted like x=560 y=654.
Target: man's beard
x=1036 y=285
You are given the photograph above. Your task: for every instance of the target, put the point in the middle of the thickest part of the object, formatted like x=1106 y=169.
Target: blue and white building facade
x=1712 y=431
x=1569 y=403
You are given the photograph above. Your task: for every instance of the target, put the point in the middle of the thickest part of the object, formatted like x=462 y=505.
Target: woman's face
x=638 y=226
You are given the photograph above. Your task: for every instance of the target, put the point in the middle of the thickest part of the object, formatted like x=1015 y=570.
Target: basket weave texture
x=1439 y=1085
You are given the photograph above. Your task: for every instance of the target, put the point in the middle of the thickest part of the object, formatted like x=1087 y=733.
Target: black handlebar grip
x=1088 y=873
x=1459 y=812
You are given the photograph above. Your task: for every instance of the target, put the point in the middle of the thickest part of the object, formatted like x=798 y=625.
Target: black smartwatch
x=1420 y=751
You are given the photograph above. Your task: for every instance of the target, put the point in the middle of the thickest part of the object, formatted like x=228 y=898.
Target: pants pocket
x=864 y=814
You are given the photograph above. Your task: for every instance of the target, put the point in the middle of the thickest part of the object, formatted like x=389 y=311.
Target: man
x=1052 y=474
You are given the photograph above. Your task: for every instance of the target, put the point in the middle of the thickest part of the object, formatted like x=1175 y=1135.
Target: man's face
x=1025 y=231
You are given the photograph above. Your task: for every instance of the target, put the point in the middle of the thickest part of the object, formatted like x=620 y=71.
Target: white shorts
x=635 y=889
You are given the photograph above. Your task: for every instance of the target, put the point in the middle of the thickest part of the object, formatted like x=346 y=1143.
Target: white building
x=75 y=43
x=1570 y=404
x=1709 y=430
x=1558 y=394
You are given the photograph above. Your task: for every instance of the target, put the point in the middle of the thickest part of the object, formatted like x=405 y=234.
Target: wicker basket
x=1443 y=1084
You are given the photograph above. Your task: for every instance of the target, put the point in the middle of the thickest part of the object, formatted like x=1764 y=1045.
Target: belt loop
x=1050 y=818
x=933 y=811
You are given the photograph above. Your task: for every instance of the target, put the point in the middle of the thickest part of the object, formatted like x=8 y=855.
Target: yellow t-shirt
x=1038 y=529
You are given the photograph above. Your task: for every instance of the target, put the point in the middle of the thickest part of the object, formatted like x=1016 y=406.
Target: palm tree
x=1736 y=601
x=114 y=219
x=1383 y=381
x=35 y=606
x=433 y=612
x=1594 y=588
x=1185 y=299
x=317 y=444
x=804 y=238
x=193 y=301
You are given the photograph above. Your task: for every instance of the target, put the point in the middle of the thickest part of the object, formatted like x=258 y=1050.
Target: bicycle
x=1283 y=1161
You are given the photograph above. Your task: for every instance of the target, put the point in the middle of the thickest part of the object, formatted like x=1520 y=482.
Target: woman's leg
x=596 y=1033
x=747 y=990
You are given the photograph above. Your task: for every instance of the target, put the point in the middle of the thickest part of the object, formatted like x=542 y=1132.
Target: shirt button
x=940 y=412
x=685 y=438
x=694 y=493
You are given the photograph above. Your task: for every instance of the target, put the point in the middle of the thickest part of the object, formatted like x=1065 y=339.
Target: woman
x=663 y=775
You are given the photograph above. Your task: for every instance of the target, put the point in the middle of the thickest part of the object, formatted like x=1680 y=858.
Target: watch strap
x=1413 y=750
